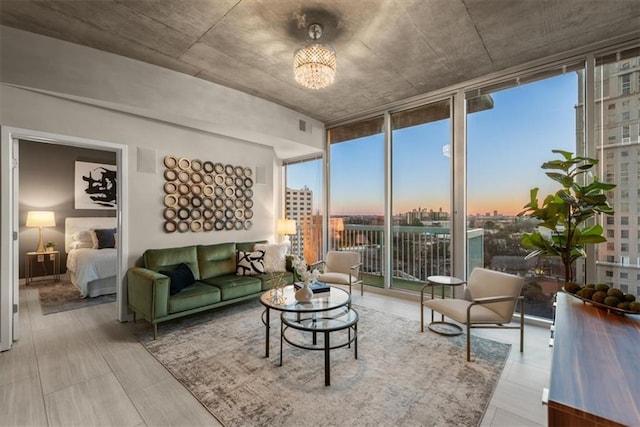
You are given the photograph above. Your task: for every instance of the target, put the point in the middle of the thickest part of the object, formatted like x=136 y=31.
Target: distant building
x=299 y=206
x=618 y=130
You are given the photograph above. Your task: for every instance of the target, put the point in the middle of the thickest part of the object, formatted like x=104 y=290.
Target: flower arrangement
x=277 y=283
x=302 y=270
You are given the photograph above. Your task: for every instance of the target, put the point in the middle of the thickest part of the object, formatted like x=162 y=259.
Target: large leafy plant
x=565 y=227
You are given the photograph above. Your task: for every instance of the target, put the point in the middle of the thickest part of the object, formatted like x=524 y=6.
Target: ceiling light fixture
x=314 y=64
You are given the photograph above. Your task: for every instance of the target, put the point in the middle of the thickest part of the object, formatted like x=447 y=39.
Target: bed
x=92 y=271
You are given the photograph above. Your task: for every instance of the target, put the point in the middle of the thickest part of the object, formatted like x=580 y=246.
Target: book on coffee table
x=315 y=287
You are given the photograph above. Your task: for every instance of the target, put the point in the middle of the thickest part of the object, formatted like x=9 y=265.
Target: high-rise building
x=618 y=135
x=299 y=206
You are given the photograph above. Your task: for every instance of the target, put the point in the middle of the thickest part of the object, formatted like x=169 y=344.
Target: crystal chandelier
x=314 y=64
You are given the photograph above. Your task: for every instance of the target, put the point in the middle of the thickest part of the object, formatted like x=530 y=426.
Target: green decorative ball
x=615 y=292
x=586 y=293
x=572 y=287
x=599 y=296
x=623 y=305
x=602 y=287
x=612 y=301
x=634 y=306
x=629 y=297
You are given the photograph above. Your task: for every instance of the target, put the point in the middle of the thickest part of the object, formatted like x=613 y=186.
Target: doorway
x=9 y=221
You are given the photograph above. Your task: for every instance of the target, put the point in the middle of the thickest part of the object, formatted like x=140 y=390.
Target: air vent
x=303 y=126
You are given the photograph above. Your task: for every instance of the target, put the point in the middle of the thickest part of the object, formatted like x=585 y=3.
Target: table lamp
x=40 y=219
x=286 y=227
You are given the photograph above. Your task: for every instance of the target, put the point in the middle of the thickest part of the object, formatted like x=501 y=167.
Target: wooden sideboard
x=595 y=371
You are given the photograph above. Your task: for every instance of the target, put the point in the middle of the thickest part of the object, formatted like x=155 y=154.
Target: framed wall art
x=95 y=186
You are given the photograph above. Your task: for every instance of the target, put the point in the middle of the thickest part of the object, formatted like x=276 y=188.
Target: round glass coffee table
x=286 y=302
x=440 y=326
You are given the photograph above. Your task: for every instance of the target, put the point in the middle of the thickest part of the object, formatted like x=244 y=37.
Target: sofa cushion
x=170 y=258
x=274 y=256
x=197 y=295
x=232 y=286
x=250 y=263
x=216 y=260
x=180 y=278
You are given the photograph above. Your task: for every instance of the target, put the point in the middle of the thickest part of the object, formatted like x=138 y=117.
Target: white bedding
x=88 y=265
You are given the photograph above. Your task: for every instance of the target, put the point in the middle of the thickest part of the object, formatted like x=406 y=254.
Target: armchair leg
x=521 y=326
x=361 y=288
x=155 y=331
x=468 y=342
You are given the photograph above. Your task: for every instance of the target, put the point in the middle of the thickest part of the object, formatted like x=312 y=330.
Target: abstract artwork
x=206 y=196
x=95 y=186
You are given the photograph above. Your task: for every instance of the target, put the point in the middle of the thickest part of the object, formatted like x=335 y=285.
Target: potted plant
x=50 y=246
x=565 y=226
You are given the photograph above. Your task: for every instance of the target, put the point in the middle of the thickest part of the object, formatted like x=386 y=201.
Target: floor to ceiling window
x=420 y=194
x=393 y=203
x=304 y=204
x=356 y=193
x=617 y=136
x=506 y=145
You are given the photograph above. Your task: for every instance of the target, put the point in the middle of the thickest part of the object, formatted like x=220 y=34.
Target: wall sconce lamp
x=41 y=219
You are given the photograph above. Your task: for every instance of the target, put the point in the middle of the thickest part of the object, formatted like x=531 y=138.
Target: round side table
x=441 y=326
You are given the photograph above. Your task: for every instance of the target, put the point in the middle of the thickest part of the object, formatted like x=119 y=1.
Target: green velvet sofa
x=216 y=283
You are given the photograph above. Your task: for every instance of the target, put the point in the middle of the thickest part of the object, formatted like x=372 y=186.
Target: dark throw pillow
x=250 y=263
x=105 y=237
x=179 y=278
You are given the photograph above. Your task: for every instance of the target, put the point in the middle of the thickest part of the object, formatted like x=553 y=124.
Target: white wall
x=74 y=71
x=54 y=86
x=65 y=89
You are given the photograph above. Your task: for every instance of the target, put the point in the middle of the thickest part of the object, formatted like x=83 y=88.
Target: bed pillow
x=82 y=236
x=250 y=263
x=179 y=278
x=274 y=256
x=105 y=238
x=81 y=244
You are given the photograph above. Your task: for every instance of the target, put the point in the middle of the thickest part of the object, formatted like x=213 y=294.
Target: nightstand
x=44 y=258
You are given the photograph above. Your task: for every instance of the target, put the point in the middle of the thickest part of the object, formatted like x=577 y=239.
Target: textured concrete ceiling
x=388 y=50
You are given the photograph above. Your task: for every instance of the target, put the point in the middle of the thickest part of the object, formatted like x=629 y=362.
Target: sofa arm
x=148 y=292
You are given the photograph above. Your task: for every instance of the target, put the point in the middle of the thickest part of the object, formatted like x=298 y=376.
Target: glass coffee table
x=323 y=323
x=322 y=302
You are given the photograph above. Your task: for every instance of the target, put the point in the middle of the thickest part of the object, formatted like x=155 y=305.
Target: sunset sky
x=506 y=146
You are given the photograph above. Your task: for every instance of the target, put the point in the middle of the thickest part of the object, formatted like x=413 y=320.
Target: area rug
x=63 y=296
x=401 y=378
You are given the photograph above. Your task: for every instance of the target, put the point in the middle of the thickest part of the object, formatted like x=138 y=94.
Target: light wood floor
x=84 y=368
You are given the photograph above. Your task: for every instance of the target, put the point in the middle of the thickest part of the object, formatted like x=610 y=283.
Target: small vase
x=304 y=294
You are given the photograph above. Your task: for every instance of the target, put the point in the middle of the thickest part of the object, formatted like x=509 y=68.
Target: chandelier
x=314 y=64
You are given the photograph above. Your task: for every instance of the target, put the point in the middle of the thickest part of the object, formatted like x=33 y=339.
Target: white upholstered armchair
x=489 y=302
x=341 y=268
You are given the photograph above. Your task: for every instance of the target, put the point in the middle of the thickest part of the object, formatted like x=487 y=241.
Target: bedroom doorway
x=12 y=223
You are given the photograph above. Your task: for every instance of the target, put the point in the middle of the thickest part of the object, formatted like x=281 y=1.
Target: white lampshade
x=286 y=226
x=40 y=219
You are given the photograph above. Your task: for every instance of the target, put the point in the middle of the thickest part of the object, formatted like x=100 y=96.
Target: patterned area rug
x=401 y=377
x=63 y=296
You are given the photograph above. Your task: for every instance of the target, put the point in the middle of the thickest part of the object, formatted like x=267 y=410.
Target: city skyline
x=506 y=147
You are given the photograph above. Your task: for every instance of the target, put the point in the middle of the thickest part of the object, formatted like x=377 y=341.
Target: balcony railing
x=418 y=252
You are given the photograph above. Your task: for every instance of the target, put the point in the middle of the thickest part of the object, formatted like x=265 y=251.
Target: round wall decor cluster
x=206 y=196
